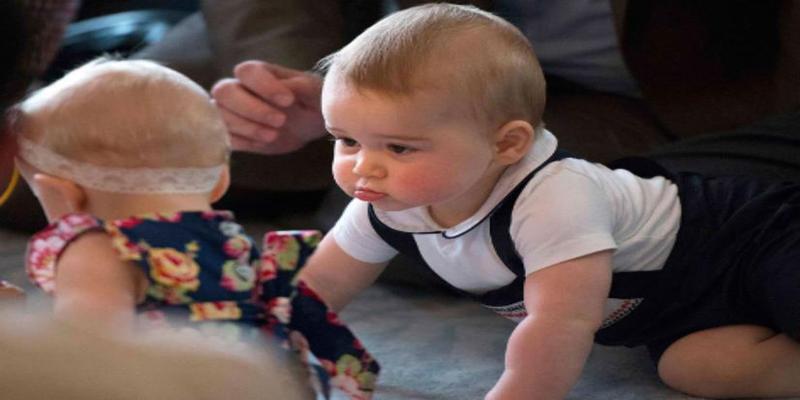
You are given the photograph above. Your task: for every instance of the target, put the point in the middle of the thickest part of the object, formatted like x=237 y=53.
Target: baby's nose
x=369 y=165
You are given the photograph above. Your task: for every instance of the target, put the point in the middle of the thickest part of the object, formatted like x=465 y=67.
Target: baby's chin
x=387 y=203
x=390 y=205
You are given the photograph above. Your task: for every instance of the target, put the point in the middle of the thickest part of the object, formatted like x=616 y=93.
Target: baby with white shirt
x=437 y=116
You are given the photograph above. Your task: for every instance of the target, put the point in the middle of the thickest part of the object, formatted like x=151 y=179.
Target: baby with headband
x=126 y=158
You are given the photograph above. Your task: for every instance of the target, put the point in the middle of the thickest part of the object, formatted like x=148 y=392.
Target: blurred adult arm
x=293 y=33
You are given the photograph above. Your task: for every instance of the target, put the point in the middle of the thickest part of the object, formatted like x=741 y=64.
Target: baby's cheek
x=343 y=175
x=425 y=187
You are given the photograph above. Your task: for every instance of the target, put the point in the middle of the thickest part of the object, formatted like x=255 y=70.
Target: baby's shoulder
x=567 y=177
x=47 y=246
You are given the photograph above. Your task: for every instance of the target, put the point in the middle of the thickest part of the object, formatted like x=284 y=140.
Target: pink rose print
x=352 y=379
x=306 y=291
x=168 y=295
x=237 y=277
x=127 y=223
x=237 y=247
x=41 y=262
x=164 y=216
x=284 y=249
x=311 y=237
x=216 y=310
x=281 y=308
x=174 y=269
x=126 y=249
x=74 y=223
x=267 y=268
x=333 y=318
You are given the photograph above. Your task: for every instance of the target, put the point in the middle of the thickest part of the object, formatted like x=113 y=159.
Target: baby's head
x=126 y=113
x=477 y=64
x=124 y=127
x=429 y=106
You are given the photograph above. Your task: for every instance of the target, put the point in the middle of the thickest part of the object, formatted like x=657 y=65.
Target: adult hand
x=270 y=109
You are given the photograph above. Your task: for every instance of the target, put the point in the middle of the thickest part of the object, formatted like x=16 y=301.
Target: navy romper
x=736 y=260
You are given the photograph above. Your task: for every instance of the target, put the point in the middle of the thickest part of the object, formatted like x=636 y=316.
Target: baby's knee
x=719 y=363
x=698 y=378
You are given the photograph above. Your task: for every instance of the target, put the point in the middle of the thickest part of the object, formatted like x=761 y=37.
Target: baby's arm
x=547 y=350
x=94 y=286
x=336 y=276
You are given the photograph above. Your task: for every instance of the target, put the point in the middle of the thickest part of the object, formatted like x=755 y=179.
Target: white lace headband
x=120 y=180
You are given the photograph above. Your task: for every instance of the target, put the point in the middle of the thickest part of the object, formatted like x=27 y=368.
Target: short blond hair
x=126 y=113
x=466 y=53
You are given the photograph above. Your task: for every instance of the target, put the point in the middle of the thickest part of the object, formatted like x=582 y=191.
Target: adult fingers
x=307 y=89
x=264 y=80
x=242 y=143
x=281 y=145
x=282 y=72
x=230 y=95
x=244 y=128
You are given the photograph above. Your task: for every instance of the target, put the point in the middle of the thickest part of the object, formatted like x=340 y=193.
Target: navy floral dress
x=202 y=268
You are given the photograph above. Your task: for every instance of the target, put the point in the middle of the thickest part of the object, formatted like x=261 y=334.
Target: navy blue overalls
x=713 y=276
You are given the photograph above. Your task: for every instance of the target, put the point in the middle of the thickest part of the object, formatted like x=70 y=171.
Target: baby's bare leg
x=733 y=361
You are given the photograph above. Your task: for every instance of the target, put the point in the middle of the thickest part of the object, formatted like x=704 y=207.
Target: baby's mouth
x=368 y=195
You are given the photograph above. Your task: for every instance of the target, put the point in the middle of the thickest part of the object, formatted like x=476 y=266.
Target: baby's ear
x=222 y=185
x=512 y=141
x=58 y=196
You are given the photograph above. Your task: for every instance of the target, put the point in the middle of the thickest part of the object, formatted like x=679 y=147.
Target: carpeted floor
x=433 y=346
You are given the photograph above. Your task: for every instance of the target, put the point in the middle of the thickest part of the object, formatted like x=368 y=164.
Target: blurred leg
x=768 y=149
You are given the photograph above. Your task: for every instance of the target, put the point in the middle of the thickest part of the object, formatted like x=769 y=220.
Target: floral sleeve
x=314 y=331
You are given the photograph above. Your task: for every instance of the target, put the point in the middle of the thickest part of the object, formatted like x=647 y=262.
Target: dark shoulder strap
x=500 y=221
x=499 y=224
x=403 y=242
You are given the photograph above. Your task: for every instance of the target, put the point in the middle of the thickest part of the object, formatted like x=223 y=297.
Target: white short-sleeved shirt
x=571 y=208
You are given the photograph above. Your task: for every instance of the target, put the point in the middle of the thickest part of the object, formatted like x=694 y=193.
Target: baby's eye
x=399 y=149
x=347 y=142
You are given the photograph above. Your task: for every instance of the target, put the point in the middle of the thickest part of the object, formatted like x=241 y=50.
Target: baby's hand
x=10 y=292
